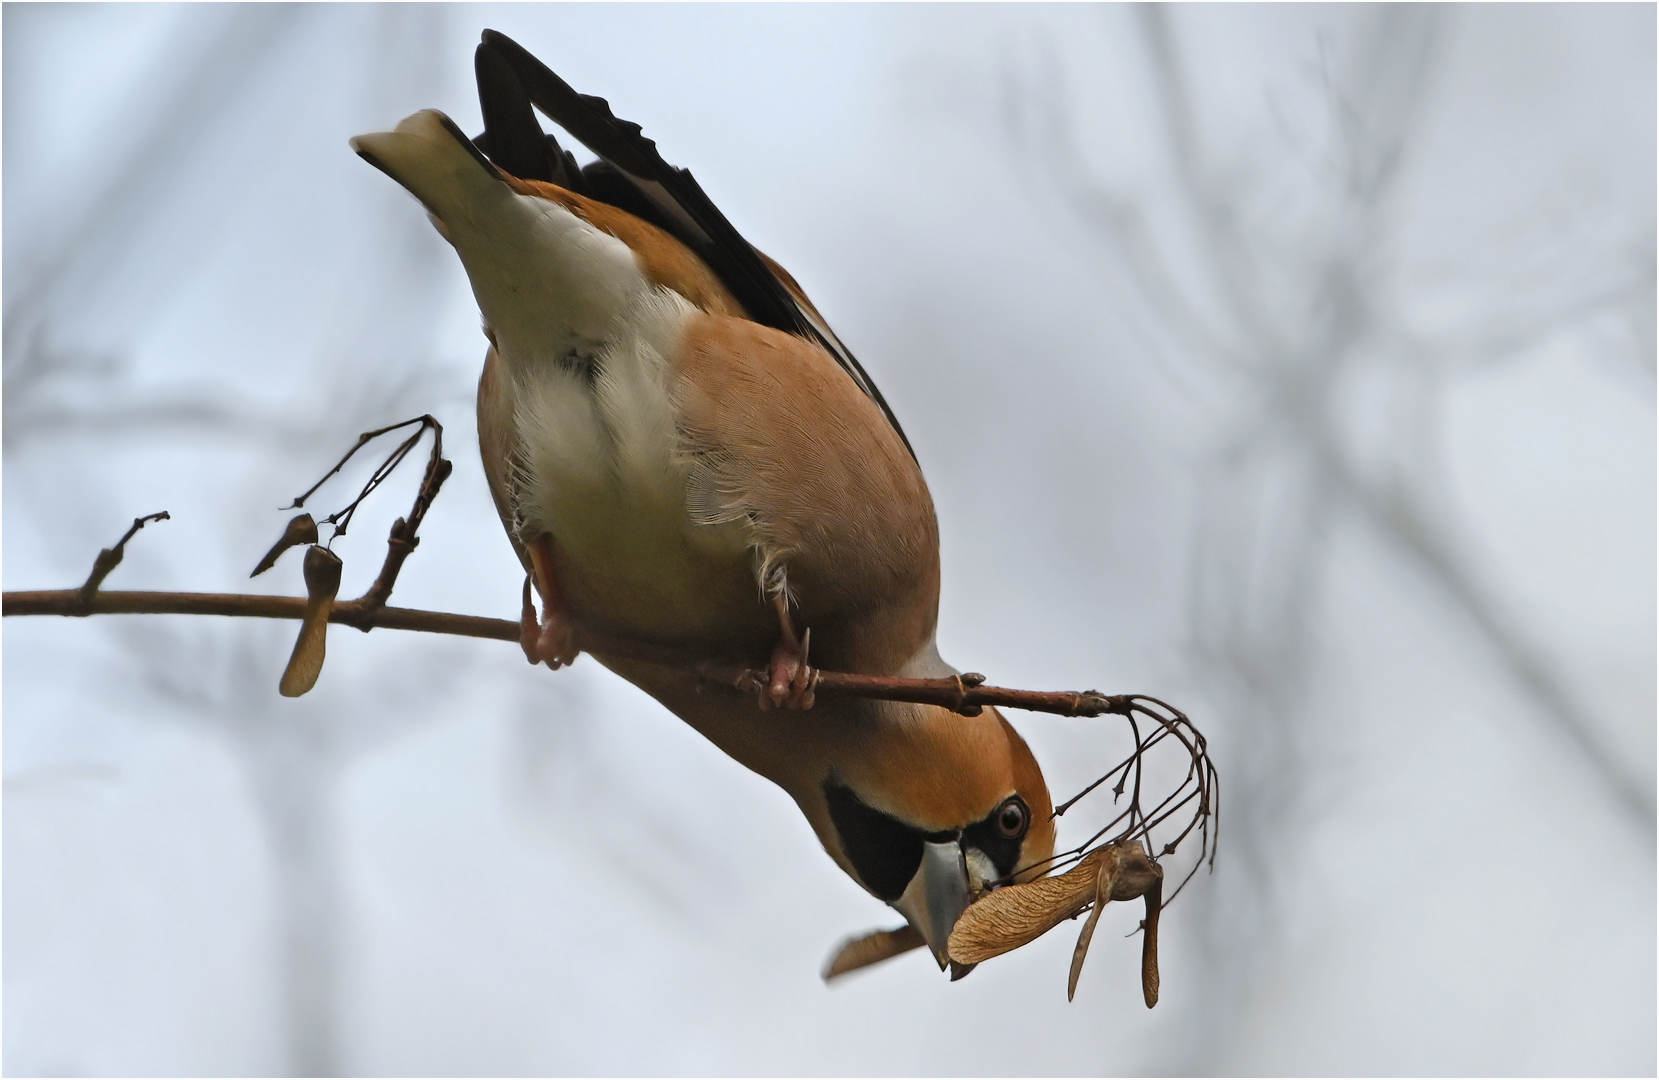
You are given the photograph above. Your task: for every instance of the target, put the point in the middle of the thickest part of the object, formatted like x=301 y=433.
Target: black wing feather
x=632 y=176
x=512 y=138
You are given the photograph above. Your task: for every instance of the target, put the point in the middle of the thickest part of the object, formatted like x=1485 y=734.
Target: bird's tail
x=431 y=157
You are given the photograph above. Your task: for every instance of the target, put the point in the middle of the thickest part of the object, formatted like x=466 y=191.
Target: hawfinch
x=684 y=454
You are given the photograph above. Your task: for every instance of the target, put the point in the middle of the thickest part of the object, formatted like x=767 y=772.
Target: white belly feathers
x=601 y=444
x=586 y=344
x=601 y=467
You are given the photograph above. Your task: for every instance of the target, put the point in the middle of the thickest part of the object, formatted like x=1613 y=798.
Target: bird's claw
x=556 y=643
x=792 y=680
x=552 y=640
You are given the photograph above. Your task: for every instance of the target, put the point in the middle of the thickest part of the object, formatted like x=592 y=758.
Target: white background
x=1293 y=364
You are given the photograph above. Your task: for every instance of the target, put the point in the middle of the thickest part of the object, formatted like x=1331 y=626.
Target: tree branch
x=965 y=694
x=71 y=602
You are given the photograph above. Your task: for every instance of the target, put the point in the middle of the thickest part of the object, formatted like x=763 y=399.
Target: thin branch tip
x=109 y=558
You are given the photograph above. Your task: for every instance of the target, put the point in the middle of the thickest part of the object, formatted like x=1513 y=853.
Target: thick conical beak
x=937 y=896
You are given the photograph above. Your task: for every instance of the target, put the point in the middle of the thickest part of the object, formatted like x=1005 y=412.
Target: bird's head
x=937 y=815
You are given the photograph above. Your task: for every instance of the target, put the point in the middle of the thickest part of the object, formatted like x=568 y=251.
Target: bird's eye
x=1013 y=818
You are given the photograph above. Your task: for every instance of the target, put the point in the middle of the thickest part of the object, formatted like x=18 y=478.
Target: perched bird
x=684 y=454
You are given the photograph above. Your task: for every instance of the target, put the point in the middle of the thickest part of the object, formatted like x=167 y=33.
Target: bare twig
x=341 y=519
x=964 y=694
x=349 y=612
x=108 y=559
x=403 y=538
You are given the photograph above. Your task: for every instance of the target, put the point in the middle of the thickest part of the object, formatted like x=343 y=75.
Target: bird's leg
x=791 y=678
x=553 y=640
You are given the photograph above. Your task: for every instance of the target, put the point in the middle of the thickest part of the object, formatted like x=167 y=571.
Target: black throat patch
x=884 y=850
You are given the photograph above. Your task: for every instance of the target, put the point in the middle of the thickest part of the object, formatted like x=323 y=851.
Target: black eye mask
x=886 y=852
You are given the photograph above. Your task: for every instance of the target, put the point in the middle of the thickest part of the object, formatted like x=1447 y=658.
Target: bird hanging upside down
x=684 y=454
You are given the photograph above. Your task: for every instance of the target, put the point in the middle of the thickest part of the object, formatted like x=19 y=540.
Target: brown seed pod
x=322 y=584
x=302 y=529
x=1016 y=915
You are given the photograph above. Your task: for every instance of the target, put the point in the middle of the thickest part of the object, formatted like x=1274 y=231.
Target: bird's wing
x=512 y=138
x=781 y=439
x=498 y=446
x=632 y=176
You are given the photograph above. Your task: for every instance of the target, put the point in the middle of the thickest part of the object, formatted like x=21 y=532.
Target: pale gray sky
x=1295 y=364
